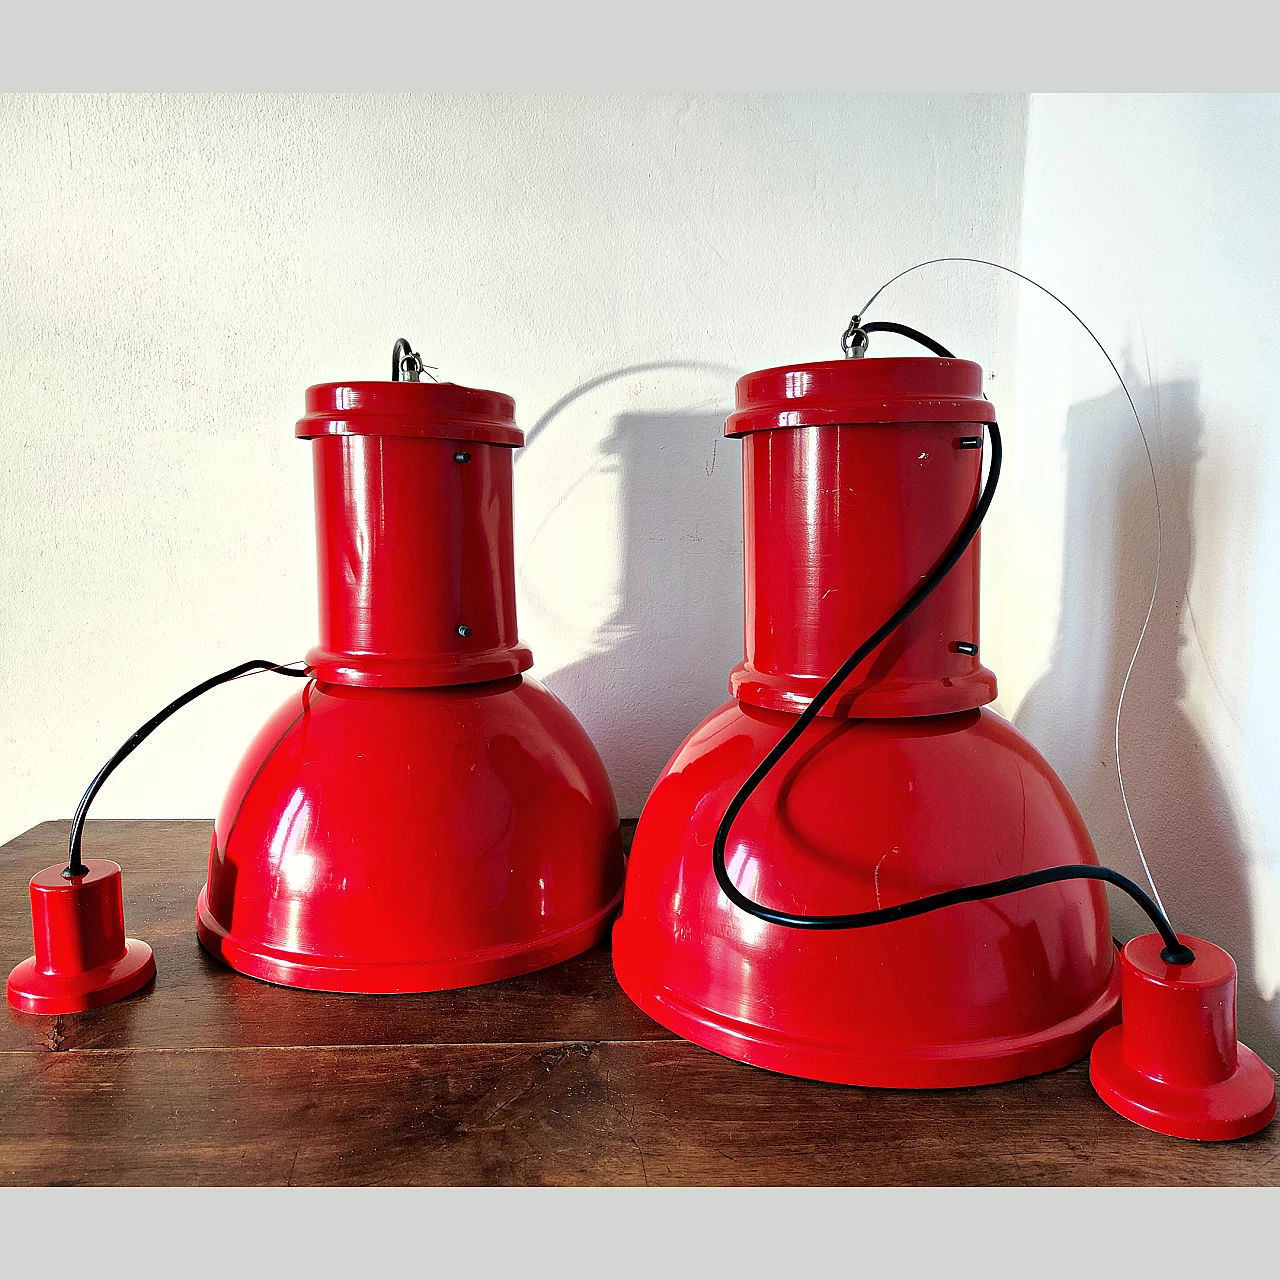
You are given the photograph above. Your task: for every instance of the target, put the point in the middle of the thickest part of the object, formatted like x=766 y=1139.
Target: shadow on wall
x=1180 y=805
x=665 y=653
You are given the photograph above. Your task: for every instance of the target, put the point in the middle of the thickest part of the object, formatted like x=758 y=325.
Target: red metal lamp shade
x=856 y=475
x=421 y=815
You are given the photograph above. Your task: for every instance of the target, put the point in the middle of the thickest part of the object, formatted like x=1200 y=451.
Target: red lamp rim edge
x=32 y=991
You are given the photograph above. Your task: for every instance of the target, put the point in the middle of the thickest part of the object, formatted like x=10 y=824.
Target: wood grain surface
x=208 y=1077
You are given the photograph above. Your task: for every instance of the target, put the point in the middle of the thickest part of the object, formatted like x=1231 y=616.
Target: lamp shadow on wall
x=663 y=656
x=1180 y=805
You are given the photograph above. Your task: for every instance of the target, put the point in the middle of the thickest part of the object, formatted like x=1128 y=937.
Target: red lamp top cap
x=439 y=410
x=836 y=392
x=1212 y=967
x=52 y=879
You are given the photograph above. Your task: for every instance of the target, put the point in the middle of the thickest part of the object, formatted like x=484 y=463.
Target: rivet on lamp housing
x=856 y=475
x=422 y=814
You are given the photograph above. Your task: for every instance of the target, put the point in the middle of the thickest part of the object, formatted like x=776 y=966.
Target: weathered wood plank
x=652 y=1112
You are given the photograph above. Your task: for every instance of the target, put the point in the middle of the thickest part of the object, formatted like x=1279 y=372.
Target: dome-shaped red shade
x=866 y=814
x=412 y=840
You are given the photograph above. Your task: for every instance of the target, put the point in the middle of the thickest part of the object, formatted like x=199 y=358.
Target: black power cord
x=75 y=863
x=1174 y=952
x=402 y=350
x=906 y=331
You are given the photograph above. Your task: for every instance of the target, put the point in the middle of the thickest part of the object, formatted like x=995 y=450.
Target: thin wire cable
x=1155 y=489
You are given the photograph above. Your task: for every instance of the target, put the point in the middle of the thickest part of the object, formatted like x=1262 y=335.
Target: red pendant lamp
x=978 y=947
x=422 y=814
x=856 y=475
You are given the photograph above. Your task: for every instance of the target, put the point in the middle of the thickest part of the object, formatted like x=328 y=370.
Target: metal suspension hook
x=855 y=340
x=407 y=364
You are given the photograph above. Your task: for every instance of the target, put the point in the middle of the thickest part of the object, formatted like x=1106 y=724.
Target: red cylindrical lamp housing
x=414 y=534
x=838 y=518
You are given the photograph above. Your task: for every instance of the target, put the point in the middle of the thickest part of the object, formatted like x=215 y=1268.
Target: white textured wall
x=1157 y=218
x=175 y=271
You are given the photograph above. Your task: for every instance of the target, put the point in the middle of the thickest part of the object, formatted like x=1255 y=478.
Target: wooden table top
x=208 y=1077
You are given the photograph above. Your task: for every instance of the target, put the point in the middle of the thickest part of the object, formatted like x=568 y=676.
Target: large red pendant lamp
x=856 y=475
x=853 y=871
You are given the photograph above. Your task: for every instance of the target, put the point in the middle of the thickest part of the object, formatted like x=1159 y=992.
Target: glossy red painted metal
x=384 y=840
x=417 y=572
x=839 y=524
x=83 y=959
x=854 y=484
x=1174 y=1064
x=434 y=410
x=831 y=392
x=420 y=816
x=413 y=533
x=864 y=814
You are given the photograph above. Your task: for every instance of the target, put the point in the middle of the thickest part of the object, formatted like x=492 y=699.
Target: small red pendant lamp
x=856 y=475
x=422 y=814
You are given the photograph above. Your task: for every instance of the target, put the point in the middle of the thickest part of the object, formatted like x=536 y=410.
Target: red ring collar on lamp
x=834 y=392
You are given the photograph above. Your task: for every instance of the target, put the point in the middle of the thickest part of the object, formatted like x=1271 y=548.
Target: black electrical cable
x=1174 y=952
x=906 y=331
x=402 y=348
x=75 y=863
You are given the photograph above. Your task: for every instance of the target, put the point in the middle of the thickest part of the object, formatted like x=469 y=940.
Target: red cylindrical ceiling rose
x=856 y=475
x=82 y=958
x=414 y=534
x=1174 y=1064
